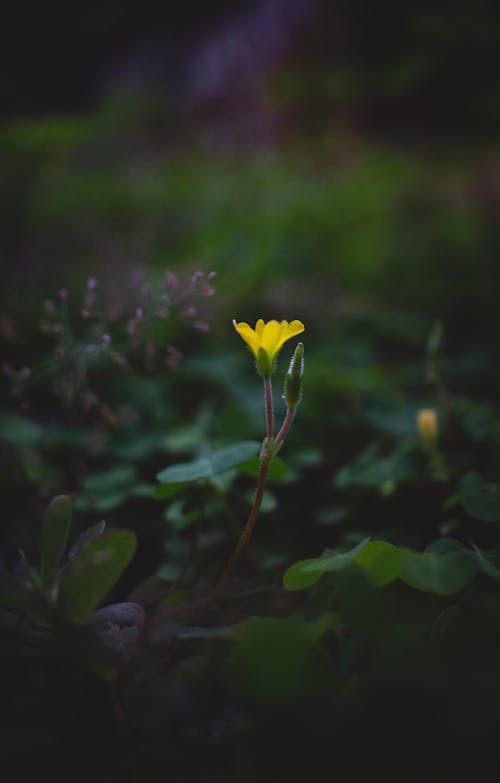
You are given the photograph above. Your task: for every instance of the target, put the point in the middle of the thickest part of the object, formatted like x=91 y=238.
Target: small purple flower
x=174 y=357
x=92 y=284
x=202 y=326
x=170 y=280
x=49 y=307
x=63 y=294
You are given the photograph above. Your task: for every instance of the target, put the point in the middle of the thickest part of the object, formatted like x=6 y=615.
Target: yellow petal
x=259 y=327
x=248 y=335
x=271 y=337
x=294 y=328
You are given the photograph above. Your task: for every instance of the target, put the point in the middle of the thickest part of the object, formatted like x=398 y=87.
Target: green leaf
x=442 y=575
x=485 y=565
x=179 y=517
x=55 y=530
x=277 y=470
x=446 y=567
x=307 y=572
x=107 y=489
x=210 y=465
x=165 y=491
x=445 y=546
x=406 y=464
x=381 y=561
x=481 y=499
x=86 y=537
x=91 y=574
x=18 y=430
x=14 y=595
x=111 y=480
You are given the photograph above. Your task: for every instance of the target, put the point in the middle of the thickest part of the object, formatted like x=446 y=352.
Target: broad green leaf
x=108 y=481
x=91 y=574
x=86 y=537
x=446 y=567
x=445 y=546
x=481 y=499
x=307 y=572
x=210 y=465
x=55 y=530
x=442 y=575
x=277 y=470
x=165 y=491
x=381 y=561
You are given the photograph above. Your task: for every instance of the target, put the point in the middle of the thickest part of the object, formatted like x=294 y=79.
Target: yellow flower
x=266 y=340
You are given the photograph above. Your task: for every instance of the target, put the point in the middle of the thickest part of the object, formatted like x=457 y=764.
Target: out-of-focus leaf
x=91 y=574
x=307 y=572
x=86 y=537
x=108 y=489
x=165 y=491
x=110 y=480
x=180 y=517
x=275 y=658
x=18 y=430
x=446 y=567
x=442 y=575
x=55 y=530
x=204 y=467
x=381 y=561
x=408 y=463
x=277 y=470
x=481 y=499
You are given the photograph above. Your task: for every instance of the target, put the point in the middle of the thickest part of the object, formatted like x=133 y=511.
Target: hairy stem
x=287 y=423
x=268 y=393
x=246 y=534
x=259 y=492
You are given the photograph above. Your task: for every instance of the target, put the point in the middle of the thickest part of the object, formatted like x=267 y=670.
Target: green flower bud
x=293 y=380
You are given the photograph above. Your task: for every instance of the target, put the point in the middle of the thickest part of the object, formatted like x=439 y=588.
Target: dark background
x=413 y=68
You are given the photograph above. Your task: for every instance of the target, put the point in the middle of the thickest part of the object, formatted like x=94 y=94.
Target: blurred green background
x=165 y=169
x=330 y=162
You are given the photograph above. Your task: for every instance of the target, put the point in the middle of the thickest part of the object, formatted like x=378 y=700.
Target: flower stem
x=259 y=492
x=268 y=393
x=246 y=534
x=287 y=423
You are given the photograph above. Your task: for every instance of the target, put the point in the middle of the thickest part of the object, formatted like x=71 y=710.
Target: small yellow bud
x=427 y=424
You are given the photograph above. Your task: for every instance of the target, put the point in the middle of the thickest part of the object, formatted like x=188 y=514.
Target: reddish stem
x=259 y=492
x=287 y=423
x=269 y=408
x=246 y=534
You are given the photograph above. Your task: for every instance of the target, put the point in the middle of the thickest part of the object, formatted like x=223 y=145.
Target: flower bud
x=293 y=379
x=427 y=424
